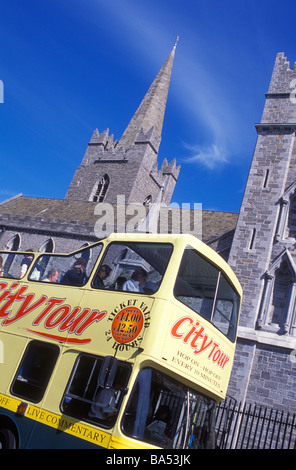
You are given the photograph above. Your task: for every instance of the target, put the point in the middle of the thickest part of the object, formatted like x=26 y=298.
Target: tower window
x=266 y=179
x=101 y=189
x=252 y=240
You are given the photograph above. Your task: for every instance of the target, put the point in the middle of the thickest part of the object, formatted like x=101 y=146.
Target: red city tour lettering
x=72 y=321
x=51 y=302
x=10 y=298
x=93 y=317
x=174 y=330
x=57 y=316
x=25 y=308
x=193 y=335
x=54 y=314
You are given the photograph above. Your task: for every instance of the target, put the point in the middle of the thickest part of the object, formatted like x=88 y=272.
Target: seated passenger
x=103 y=273
x=104 y=405
x=136 y=282
x=150 y=287
x=76 y=275
x=52 y=276
x=158 y=430
x=25 y=263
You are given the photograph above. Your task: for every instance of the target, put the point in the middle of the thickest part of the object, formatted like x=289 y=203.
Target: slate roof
x=68 y=216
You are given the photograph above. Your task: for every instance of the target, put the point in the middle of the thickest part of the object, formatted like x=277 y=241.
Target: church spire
x=151 y=111
x=130 y=167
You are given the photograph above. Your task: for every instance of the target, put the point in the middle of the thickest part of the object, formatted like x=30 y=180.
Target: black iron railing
x=250 y=426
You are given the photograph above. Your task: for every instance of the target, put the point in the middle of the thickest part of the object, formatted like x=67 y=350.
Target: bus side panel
x=188 y=344
x=32 y=434
x=38 y=310
x=46 y=437
x=13 y=348
x=54 y=429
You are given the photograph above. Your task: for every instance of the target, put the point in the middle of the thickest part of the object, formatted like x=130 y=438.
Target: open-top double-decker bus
x=126 y=343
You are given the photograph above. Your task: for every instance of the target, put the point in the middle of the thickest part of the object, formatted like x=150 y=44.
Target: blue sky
x=69 y=67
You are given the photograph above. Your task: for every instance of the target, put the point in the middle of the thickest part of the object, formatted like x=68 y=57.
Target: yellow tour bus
x=124 y=344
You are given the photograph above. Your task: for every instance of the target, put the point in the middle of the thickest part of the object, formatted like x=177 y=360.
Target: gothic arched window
x=278 y=299
x=291 y=222
x=286 y=225
x=14 y=243
x=101 y=189
x=280 y=295
x=47 y=246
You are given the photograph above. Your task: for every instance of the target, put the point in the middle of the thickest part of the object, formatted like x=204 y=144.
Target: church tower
x=129 y=166
x=263 y=252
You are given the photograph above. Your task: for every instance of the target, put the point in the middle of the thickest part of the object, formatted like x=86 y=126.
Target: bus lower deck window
x=35 y=371
x=89 y=397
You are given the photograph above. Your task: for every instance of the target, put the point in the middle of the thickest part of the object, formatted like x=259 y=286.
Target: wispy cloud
x=202 y=94
x=209 y=109
x=209 y=156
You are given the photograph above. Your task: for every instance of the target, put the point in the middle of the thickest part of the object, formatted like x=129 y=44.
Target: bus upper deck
x=113 y=336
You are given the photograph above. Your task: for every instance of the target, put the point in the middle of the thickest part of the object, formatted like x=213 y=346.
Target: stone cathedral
x=259 y=243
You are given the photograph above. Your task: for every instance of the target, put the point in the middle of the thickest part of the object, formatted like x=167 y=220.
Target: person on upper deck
x=103 y=273
x=76 y=275
x=136 y=282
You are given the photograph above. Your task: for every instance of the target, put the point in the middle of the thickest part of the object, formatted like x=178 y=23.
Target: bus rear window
x=96 y=389
x=204 y=289
x=35 y=371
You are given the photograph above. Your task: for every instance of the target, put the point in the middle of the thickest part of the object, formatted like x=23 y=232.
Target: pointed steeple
x=131 y=164
x=151 y=111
